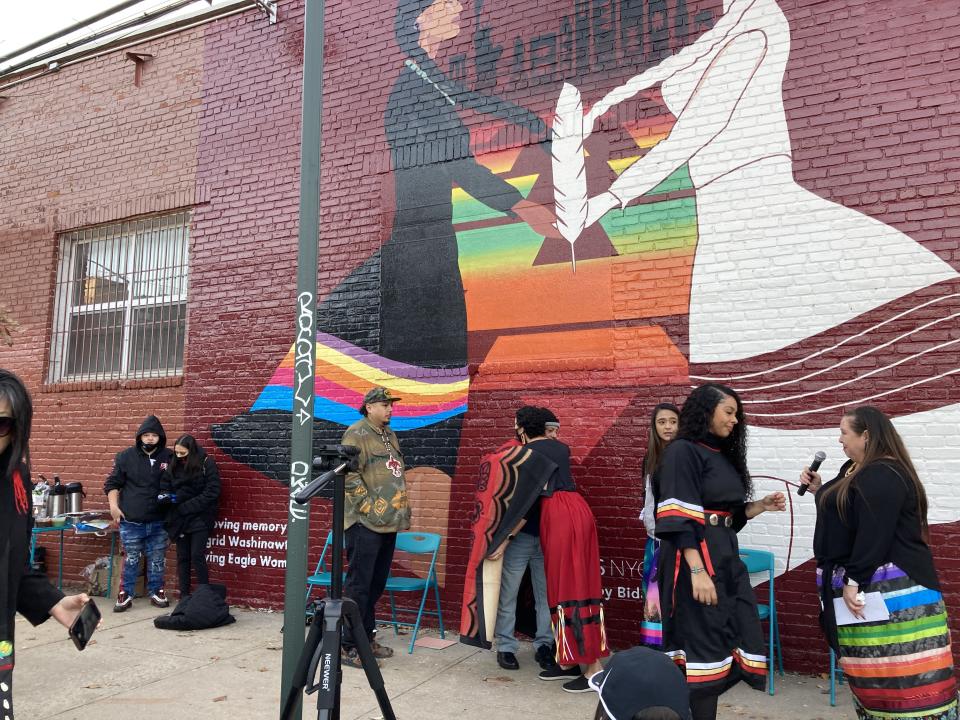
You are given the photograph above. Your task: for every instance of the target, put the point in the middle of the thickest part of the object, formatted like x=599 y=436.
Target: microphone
x=814 y=466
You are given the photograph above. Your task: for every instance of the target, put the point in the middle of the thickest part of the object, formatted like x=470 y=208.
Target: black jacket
x=21 y=590
x=197 y=492
x=137 y=476
x=883 y=525
x=206 y=608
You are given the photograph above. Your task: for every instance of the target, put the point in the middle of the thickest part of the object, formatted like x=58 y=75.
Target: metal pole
x=305 y=349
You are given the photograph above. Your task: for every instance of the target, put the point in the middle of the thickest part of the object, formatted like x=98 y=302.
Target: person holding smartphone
x=21 y=589
x=194 y=482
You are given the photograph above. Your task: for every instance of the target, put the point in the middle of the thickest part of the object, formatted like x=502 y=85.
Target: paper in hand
x=874 y=610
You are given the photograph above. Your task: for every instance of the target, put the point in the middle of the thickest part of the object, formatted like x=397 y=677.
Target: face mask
x=149 y=447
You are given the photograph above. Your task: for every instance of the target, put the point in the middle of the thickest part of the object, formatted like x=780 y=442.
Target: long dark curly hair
x=695 y=419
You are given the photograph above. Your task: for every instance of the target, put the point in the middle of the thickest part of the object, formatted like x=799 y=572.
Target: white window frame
x=168 y=271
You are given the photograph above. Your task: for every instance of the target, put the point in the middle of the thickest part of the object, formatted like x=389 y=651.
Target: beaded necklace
x=393 y=465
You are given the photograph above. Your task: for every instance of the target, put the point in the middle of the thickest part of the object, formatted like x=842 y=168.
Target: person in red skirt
x=571 y=554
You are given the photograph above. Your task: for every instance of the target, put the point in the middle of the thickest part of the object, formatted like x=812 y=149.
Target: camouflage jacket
x=377 y=493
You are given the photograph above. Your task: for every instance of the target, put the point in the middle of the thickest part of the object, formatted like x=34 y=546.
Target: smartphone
x=82 y=629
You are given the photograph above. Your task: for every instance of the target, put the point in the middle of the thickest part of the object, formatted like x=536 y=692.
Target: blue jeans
x=523 y=550
x=139 y=538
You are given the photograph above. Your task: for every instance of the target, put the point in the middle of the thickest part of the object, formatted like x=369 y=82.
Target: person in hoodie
x=132 y=488
x=21 y=589
x=194 y=483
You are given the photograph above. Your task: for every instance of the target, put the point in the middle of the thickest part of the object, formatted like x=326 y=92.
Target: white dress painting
x=761 y=237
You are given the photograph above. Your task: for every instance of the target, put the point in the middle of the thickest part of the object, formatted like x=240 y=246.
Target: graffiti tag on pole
x=303 y=358
x=299 y=478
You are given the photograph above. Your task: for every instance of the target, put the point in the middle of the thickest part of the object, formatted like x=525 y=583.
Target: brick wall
x=81 y=147
x=868 y=98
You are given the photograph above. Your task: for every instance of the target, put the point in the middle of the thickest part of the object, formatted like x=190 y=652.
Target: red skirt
x=571 y=557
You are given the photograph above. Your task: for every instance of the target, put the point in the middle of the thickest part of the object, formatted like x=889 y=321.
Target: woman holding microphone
x=873 y=561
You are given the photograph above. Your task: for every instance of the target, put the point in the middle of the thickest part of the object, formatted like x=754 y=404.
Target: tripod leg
x=327 y=659
x=303 y=664
x=351 y=615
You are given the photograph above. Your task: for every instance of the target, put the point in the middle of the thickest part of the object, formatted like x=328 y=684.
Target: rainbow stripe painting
x=345 y=373
x=496 y=258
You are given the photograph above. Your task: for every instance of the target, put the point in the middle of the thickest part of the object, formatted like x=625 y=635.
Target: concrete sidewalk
x=234 y=672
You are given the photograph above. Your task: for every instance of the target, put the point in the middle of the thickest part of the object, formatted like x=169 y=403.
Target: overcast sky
x=24 y=22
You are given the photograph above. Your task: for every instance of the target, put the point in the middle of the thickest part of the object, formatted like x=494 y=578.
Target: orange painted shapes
x=535 y=296
x=621 y=288
x=614 y=357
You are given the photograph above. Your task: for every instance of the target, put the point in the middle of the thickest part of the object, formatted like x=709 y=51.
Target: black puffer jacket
x=137 y=475
x=198 y=494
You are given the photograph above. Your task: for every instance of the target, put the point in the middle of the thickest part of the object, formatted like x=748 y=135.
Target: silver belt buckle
x=713 y=519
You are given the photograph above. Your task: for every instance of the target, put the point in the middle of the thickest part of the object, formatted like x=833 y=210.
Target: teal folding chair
x=416 y=543
x=321 y=577
x=836 y=677
x=762 y=561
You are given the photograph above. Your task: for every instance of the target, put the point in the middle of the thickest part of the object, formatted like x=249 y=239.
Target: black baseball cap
x=640 y=679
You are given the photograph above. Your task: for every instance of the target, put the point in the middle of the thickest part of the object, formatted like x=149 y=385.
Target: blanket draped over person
x=511 y=479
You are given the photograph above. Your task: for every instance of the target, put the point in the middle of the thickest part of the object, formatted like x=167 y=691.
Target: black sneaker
x=124 y=601
x=544 y=657
x=558 y=673
x=159 y=599
x=508 y=661
x=578 y=685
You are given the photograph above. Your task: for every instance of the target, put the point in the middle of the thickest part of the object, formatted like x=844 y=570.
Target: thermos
x=75 y=496
x=57 y=501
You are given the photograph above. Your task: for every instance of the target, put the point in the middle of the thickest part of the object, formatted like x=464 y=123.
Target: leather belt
x=718 y=517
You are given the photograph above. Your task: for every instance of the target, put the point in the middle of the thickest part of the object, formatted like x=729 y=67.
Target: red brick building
x=149 y=230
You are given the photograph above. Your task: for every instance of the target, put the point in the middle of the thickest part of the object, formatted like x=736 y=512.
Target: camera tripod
x=319 y=663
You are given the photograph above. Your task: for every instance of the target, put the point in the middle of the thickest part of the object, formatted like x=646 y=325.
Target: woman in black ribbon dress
x=710 y=624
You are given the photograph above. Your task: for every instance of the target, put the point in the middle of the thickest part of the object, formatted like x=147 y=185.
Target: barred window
x=121 y=301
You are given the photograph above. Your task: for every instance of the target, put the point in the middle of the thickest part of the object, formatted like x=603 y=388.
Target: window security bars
x=121 y=301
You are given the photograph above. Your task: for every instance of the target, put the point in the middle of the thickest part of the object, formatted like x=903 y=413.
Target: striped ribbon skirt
x=901 y=667
x=651 y=629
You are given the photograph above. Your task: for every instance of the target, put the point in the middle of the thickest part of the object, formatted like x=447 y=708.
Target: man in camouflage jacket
x=376 y=509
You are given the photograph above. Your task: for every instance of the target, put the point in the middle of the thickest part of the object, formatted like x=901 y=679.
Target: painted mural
x=647 y=238
x=759 y=234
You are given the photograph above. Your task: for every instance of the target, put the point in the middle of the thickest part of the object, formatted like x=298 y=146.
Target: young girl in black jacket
x=194 y=481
